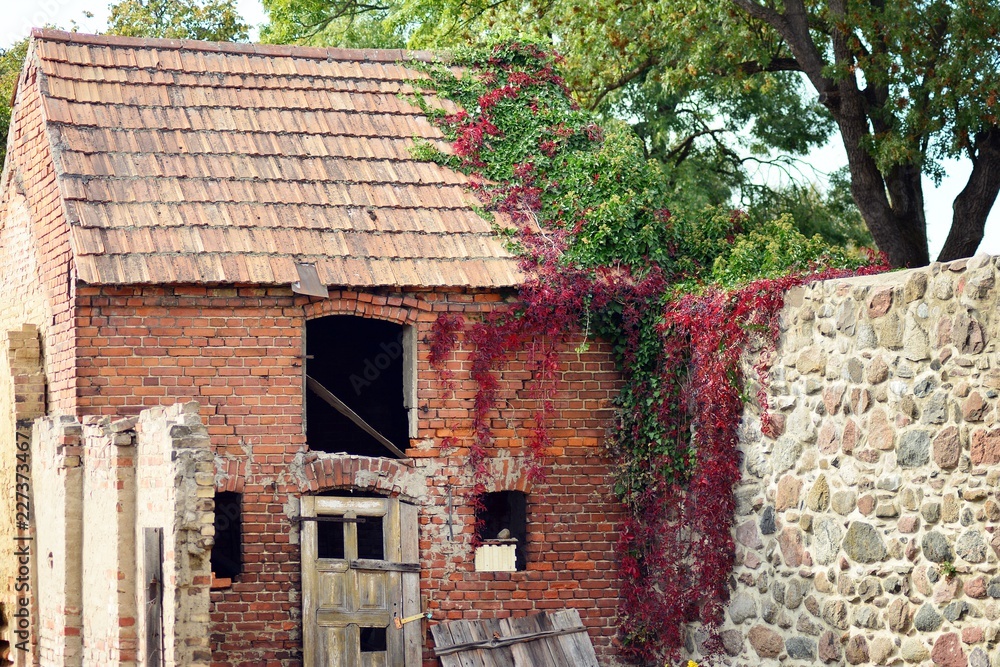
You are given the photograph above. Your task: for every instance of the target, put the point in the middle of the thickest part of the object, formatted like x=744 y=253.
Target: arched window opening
x=360 y=386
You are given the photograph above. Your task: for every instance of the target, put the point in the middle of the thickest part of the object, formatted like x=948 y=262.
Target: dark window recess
x=227 y=552
x=329 y=539
x=360 y=362
x=373 y=640
x=370 y=544
x=505 y=511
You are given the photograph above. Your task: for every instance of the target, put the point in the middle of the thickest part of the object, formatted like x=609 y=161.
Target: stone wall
x=867 y=526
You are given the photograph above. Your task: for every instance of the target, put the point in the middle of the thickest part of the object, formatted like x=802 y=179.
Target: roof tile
x=195 y=162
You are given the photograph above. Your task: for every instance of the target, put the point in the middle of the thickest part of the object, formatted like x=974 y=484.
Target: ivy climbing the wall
x=680 y=295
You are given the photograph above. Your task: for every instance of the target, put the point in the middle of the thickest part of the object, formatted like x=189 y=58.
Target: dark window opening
x=373 y=640
x=329 y=539
x=370 y=543
x=227 y=552
x=355 y=376
x=504 y=515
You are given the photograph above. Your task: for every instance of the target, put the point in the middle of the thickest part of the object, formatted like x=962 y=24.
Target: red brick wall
x=35 y=255
x=238 y=351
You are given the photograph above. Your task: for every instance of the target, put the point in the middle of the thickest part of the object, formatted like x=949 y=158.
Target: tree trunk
x=892 y=205
x=973 y=204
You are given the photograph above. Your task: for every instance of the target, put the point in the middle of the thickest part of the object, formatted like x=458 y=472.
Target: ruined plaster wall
x=109 y=590
x=238 y=352
x=175 y=490
x=98 y=486
x=57 y=481
x=867 y=528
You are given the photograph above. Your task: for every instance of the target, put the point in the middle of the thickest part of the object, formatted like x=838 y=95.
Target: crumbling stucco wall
x=57 y=485
x=97 y=487
x=867 y=527
x=109 y=542
x=22 y=399
x=175 y=482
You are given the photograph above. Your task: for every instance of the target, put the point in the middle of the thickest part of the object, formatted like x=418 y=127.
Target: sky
x=19 y=16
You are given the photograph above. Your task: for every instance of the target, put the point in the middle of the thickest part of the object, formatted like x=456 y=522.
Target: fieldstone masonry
x=866 y=527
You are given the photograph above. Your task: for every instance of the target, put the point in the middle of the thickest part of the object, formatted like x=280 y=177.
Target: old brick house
x=204 y=226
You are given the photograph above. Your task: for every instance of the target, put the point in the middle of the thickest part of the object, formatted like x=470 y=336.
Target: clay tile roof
x=182 y=161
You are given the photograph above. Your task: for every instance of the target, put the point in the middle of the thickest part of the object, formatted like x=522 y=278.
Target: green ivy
x=677 y=293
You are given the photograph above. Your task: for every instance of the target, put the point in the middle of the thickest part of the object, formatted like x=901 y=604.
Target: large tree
x=211 y=20
x=905 y=84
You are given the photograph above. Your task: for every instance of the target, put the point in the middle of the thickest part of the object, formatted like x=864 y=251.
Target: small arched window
x=502 y=524
x=360 y=386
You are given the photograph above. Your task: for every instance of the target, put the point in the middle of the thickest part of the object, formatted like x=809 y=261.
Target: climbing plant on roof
x=680 y=295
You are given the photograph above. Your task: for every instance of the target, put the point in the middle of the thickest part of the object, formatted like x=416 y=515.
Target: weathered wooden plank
x=374 y=659
x=343 y=409
x=358 y=506
x=479 y=631
x=307 y=540
x=502 y=656
x=350 y=656
x=460 y=631
x=152 y=552
x=532 y=653
x=410 y=553
x=577 y=646
x=507 y=639
x=442 y=637
x=383 y=566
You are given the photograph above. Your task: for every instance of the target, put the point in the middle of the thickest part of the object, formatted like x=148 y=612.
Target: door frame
x=399 y=517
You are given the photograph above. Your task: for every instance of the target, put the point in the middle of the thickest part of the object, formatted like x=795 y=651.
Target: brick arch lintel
x=329 y=472
x=509 y=474
x=392 y=308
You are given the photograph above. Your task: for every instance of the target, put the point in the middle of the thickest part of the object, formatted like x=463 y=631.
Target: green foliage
x=11 y=62
x=713 y=89
x=594 y=179
x=832 y=213
x=776 y=249
x=211 y=20
x=602 y=252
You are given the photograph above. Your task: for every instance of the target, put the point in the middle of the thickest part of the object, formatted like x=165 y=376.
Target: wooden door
x=359 y=572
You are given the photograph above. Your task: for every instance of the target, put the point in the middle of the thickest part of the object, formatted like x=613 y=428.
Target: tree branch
x=775 y=65
x=973 y=205
x=640 y=70
x=793 y=26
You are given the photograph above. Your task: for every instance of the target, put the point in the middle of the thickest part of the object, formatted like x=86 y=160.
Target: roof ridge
x=269 y=50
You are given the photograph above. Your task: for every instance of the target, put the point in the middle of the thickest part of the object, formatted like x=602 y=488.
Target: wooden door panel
x=372 y=591
x=332 y=590
x=340 y=596
x=374 y=659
